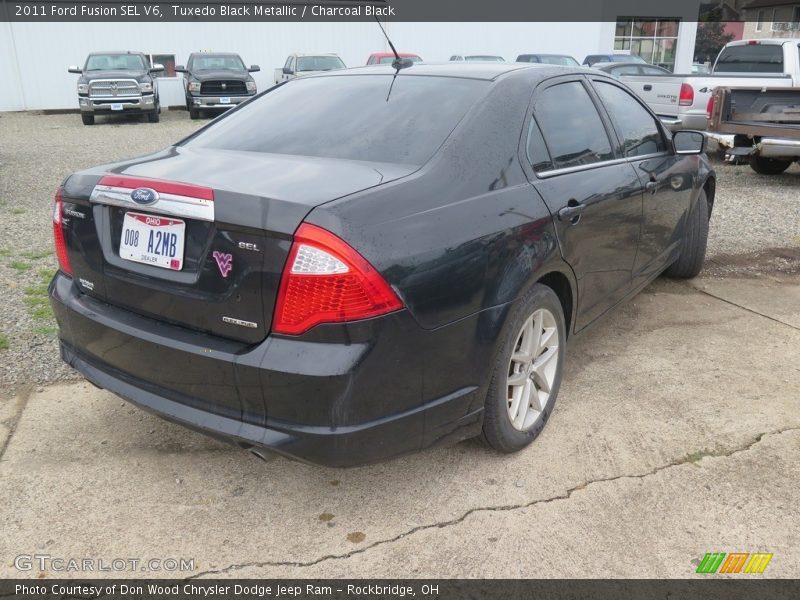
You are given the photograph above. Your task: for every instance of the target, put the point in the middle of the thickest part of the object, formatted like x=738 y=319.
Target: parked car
x=117 y=82
x=593 y=59
x=216 y=81
x=681 y=100
x=764 y=123
x=633 y=69
x=387 y=58
x=477 y=58
x=320 y=287
x=298 y=65
x=549 y=59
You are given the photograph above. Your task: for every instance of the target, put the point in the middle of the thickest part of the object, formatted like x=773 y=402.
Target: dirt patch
x=771 y=261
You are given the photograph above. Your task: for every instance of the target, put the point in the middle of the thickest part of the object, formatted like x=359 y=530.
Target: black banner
x=440 y=589
x=358 y=10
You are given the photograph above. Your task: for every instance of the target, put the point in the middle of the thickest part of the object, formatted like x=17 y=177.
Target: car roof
x=115 y=52
x=301 y=55
x=402 y=54
x=770 y=41
x=214 y=54
x=488 y=71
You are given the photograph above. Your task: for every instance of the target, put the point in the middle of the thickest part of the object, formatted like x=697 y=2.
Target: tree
x=711 y=36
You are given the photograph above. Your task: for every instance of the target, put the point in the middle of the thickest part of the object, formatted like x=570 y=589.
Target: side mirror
x=180 y=69
x=157 y=68
x=74 y=69
x=287 y=71
x=254 y=68
x=689 y=142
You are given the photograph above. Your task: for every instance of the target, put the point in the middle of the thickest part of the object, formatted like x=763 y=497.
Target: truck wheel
x=693 y=248
x=194 y=113
x=87 y=119
x=154 y=117
x=768 y=166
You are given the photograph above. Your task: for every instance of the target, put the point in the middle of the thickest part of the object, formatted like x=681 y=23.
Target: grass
x=19 y=265
x=45 y=330
x=46 y=274
x=37 y=255
x=4 y=343
x=5 y=252
x=37 y=301
x=17 y=211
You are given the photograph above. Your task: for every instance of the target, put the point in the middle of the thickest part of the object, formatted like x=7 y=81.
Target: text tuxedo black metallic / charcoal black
x=399 y=268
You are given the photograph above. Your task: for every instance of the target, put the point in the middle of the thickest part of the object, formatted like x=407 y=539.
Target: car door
x=667 y=178
x=592 y=192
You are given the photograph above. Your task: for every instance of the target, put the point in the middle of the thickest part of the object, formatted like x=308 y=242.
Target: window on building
x=168 y=62
x=796 y=18
x=654 y=40
x=760 y=20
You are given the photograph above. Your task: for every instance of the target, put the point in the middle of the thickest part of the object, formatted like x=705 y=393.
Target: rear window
x=376 y=118
x=319 y=63
x=752 y=58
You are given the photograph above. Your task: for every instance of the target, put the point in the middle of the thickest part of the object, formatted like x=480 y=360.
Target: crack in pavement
x=21 y=397
x=692 y=458
x=745 y=308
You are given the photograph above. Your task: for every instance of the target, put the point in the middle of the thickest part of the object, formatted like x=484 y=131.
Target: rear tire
x=693 y=248
x=87 y=119
x=519 y=384
x=768 y=166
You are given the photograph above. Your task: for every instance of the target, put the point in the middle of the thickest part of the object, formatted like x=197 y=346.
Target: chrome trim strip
x=596 y=165
x=168 y=204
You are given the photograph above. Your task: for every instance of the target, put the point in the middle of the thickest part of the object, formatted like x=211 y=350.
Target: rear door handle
x=648 y=87
x=571 y=212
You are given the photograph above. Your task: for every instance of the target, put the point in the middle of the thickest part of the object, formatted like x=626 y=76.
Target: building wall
x=778 y=14
x=34 y=56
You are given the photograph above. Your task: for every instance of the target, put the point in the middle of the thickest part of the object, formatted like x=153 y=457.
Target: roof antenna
x=398 y=63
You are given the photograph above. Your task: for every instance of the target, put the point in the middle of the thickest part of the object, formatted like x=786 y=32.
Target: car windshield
x=115 y=62
x=216 y=62
x=566 y=61
x=387 y=60
x=319 y=63
x=377 y=118
x=750 y=58
x=484 y=58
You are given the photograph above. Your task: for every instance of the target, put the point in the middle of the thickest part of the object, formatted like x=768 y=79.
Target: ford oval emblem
x=144 y=196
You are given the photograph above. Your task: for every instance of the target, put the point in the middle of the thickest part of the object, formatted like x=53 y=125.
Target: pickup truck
x=297 y=65
x=764 y=122
x=117 y=82
x=682 y=100
x=215 y=82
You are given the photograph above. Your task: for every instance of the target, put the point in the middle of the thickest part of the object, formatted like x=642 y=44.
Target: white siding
x=34 y=56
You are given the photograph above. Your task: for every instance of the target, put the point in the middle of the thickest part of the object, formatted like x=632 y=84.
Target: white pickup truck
x=297 y=65
x=682 y=100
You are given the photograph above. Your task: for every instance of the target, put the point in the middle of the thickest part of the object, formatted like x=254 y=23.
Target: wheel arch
x=563 y=287
x=710 y=188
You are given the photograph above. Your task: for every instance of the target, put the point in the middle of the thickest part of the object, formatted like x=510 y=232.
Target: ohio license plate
x=225 y=100
x=116 y=107
x=152 y=240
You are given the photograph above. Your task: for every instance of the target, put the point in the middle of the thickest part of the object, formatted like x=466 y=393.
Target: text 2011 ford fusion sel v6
x=400 y=267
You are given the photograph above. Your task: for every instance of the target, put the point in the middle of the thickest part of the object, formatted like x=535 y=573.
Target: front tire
x=87 y=119
x=194 y=113
x=693 y=248
x=768 y=166
x=527 y=374
x=154 y=117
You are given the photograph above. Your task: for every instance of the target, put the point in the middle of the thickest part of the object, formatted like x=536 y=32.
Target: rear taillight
x=327 y=281
x=710 y=106
x=686 y=97
x=58 y=234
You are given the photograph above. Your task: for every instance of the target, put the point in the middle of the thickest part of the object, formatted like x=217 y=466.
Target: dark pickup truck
x=216 y=81
x=117 y=82
x=765 y=123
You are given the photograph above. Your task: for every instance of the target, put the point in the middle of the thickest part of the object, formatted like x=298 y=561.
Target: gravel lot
x=753 y=214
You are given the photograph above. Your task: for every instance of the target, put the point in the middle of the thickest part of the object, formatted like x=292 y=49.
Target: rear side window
x=377 y=118
x=571 y=126
x=640 y=134
x=538 y=157
x=751 y=58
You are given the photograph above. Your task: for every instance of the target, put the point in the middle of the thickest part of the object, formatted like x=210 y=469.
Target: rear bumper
x=244 y=394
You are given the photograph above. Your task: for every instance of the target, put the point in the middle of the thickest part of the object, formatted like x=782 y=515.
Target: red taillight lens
x=686 y=97
x=710 y=106
x=327 y=281
x=58 y=235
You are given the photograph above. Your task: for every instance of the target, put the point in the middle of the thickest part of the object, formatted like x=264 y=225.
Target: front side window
x=639 y=131
x=572 y=126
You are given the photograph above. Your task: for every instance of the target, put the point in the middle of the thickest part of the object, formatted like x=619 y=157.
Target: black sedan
x=401 y=267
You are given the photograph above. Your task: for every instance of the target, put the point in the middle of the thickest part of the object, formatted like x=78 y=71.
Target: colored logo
x=224 y=262
x=735 y=562
x=144 y=196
